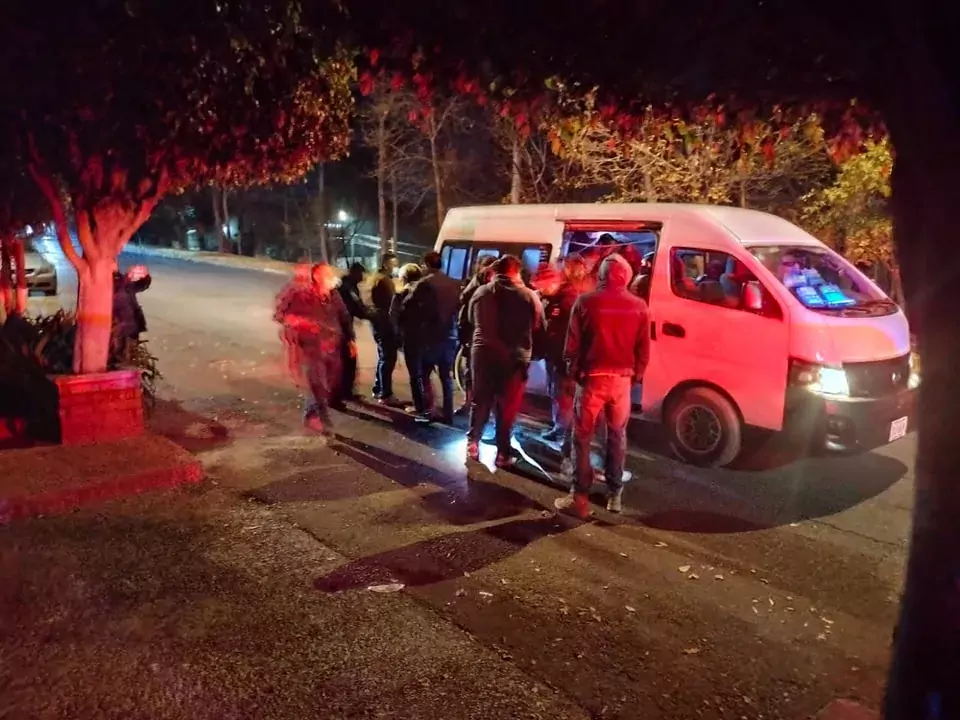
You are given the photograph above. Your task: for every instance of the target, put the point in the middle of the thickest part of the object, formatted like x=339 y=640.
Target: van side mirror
x=752 y=296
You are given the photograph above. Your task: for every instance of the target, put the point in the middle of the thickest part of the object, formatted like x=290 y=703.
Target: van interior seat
x=711 y=291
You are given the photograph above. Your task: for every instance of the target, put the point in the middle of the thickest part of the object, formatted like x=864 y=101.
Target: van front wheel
x=704 y=428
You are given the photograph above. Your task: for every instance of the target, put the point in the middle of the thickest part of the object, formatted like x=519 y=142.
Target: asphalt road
x=733 y=593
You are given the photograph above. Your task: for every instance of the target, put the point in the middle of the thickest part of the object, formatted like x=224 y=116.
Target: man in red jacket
x=606 y=351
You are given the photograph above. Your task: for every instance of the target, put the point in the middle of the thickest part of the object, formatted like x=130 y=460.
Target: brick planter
x=102 y=407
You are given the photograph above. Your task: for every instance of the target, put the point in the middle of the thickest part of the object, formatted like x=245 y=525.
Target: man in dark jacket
x=435 y=300
x=607 y=348
x=384 y=335
x=129 y=321
x=317 y=327
x=349 y=290
x=557 y=309
x=480 y=278
x=505 y=316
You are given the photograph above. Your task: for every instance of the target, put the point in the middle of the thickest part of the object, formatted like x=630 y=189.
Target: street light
x=343 y=216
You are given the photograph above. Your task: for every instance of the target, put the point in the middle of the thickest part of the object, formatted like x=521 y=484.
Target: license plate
x=898 y=428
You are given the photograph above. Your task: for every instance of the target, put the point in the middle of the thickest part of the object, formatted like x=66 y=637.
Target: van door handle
x=674 y=330
x=653 y=330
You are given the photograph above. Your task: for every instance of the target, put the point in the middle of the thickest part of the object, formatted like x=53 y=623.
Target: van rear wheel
x=704 y=428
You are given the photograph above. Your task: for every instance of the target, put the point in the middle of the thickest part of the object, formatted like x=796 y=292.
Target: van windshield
x=823 y=281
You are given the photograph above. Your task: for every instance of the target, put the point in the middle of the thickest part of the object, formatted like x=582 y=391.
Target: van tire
x=720 y=429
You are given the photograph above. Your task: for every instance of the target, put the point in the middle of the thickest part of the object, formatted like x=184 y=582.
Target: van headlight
x=914 y=381
x=819 y=378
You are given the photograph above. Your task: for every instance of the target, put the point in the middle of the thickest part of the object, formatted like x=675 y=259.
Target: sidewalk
x=193 y=605
x=53 y=479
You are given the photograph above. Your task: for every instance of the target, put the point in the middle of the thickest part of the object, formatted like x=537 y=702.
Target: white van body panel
x=743 y=354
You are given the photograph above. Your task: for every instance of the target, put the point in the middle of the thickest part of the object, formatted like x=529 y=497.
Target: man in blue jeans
x=606 y=351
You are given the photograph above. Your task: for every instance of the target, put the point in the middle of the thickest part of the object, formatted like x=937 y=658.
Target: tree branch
x=52 y=196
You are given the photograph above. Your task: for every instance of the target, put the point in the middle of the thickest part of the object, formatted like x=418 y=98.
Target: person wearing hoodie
x=606 y=351
x=505 y=315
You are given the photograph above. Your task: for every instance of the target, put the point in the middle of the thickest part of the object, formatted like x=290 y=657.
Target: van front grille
x=878 y=378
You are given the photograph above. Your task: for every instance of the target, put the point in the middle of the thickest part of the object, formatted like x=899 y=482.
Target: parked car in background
x=41 y=274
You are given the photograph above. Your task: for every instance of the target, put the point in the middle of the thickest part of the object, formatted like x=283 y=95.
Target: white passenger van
x=753 y=322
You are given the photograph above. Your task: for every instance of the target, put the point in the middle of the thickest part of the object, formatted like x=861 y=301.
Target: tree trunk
x=437 y=174
x=6 y=274
x=322 y=214
x=228 y=233
x=743 y=192
x=20 y=299
x=649 y=192
x=94 y=317
x=516 y=181
x=218 y=219
x=922 y=116
x=396 y=210
x=382 y=181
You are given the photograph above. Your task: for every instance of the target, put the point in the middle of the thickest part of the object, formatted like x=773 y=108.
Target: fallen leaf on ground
x=388 y=588
x=693 y=576
x=692 y=651
x=630 y=609
x=684 y=569
x=486 y=594
x=661 y=545
x=718 y=577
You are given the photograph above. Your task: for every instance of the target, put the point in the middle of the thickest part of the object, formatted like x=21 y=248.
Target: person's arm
x=346 y=319
x=572 y=344
x=138 y=286
x=641 y=350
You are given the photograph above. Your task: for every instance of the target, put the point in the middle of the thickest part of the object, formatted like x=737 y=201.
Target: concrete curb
x=847 y=710
x=62 y=501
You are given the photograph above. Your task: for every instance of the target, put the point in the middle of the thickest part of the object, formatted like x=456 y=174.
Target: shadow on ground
x=442 y=558
x=191 y=431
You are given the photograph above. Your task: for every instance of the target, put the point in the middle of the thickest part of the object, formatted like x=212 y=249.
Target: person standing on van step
x=435 y=300
x=505 y=315
x=384 y=334
x=557 y=309
x=480 y=278
x=410 y=335
x=607 y=348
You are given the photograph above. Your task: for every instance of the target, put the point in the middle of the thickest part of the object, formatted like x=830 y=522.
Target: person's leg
x=348 y=385
x=378 y=373
x=445 y=359
x=467 y=380
x=617 y=411
x=413 y=357
x=589 y=404
x=390 y=351
x=484 y=388
x=316 y=415
x=566 y=393
x=511 y=398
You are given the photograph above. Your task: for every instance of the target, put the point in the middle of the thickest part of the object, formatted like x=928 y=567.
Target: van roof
x=748 y=227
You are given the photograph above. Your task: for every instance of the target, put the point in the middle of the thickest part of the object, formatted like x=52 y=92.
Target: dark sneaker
x=423 y=418
x=575 y=504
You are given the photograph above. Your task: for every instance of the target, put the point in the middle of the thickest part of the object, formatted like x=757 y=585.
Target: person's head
x=324 y=278
x=410 y=273
x=356 y=272
x=574 y=269
x=389 y=262
x=508 y=266
x=615 y=272
x=547 y=279
x=432 y=261
x=485 y=267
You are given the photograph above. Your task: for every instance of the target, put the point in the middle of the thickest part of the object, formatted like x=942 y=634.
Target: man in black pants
x=349 y=290
x=384 y=333
x=505 y=315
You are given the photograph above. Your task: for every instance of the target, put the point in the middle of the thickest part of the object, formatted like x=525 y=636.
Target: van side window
x=707 y=276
